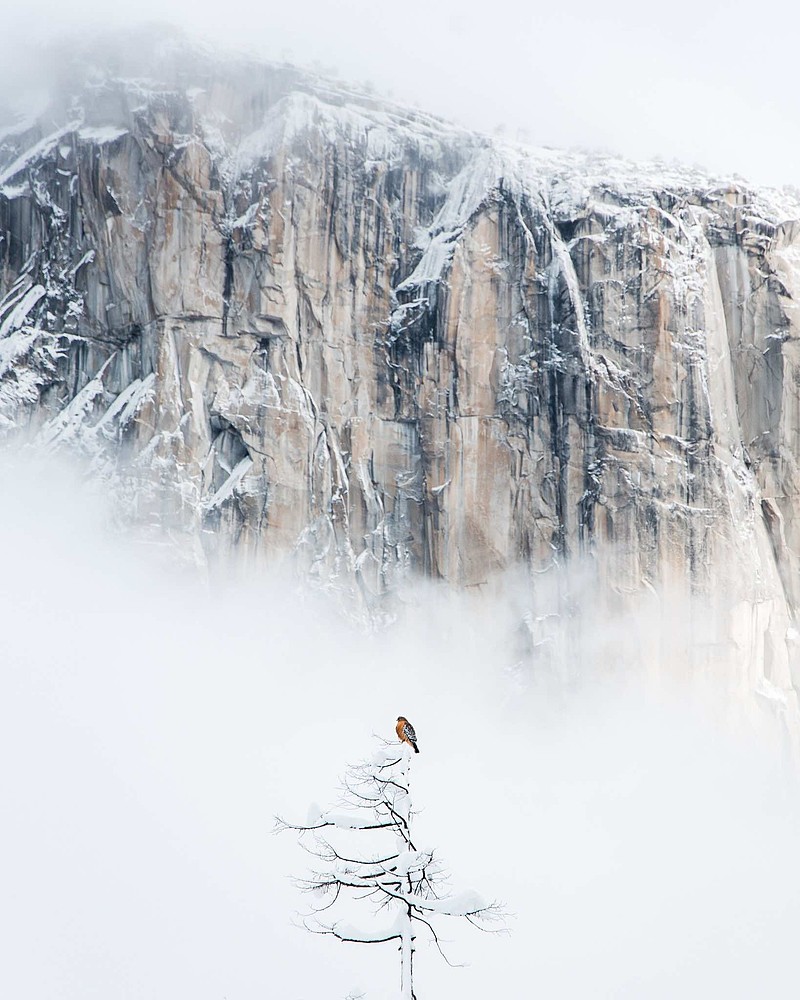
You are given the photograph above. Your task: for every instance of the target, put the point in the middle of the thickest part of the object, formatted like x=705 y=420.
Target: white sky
x=703 y=81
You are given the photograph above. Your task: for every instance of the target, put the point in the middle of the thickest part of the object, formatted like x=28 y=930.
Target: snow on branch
x=363 y=850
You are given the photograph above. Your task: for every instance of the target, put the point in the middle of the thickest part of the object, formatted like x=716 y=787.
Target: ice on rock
x=17 y=311
x=30 y=156
x=101 y=134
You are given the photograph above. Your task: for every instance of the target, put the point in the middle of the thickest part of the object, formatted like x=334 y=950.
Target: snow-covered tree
x=365 y=851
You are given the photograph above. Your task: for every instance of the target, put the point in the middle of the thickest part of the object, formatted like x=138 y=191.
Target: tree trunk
x=407 y=934
x=407 y=958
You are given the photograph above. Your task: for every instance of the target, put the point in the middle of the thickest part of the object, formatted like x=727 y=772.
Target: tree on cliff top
x=365 y=851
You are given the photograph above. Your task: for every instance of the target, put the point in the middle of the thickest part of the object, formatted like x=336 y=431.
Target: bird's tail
x=416 y=748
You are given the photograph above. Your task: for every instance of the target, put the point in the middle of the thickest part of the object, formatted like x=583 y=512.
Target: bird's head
x=402 y=718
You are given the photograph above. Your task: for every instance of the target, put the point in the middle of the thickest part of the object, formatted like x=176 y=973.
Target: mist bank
x=155 y=720
x=666 y=115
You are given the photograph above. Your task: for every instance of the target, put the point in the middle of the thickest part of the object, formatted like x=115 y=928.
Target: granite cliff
x=292 y=318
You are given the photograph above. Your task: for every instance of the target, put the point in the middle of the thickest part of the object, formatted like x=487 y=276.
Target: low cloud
x=155 y=720
x=687 y=85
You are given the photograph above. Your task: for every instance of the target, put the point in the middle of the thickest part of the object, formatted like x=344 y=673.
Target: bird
x=405 y=732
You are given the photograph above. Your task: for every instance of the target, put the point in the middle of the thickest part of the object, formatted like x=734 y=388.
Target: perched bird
x=405 y=732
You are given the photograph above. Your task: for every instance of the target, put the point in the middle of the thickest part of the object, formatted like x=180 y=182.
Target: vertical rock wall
x=295 y=320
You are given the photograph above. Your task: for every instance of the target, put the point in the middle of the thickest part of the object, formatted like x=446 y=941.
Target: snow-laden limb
x=345 y=931
x=364 y=851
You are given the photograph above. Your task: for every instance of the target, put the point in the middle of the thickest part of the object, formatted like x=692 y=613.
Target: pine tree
x=364 y=850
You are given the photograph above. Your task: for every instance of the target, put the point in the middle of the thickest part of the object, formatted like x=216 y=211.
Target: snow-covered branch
x=364 y=851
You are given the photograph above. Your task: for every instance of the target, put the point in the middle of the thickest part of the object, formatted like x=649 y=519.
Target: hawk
x=405 y=732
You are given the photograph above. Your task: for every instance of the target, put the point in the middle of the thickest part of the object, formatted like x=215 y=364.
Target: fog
x=709 y=83
x=154 y=721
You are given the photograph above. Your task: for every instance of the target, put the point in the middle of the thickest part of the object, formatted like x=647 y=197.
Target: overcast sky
x=701 y=81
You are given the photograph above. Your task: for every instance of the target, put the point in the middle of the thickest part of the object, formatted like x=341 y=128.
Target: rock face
x=316 y=323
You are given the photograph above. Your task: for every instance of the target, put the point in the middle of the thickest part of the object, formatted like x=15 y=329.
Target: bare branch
x=494 y=913
x=327 y=906
x=421 y=920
